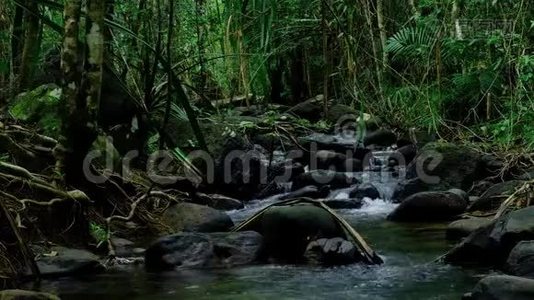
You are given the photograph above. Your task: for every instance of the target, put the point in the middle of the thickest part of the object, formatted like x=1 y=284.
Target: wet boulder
x=495 y=240
x=339 y=111
x=408 y=187
x=492 y=198
x=365 y=190
x=204 y=250
x=327 y=160
x=310 y=109
x=284 y=171
x=469 y=251
x=520 y=262
x=194 y=217
x=502 y=287
x=331 y=252
x=331 y=160
x=339 y=144
x=26 y=295
x=464 y=227
x=380 y=137
x=271 y=189
x=287 y=230
x=60 y=261
x=480 y=187
x=289 y=226
x=218 y=201
x=323 y=177
x=404 y=155
x=239 y=169
x=310 y=191
x=429 y=207
x=442 y=166
x=126 y=248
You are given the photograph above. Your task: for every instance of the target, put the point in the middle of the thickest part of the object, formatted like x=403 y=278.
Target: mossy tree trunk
x=96 y=10
x=17 y=37
x=30 y=50
x=70 y=158
x=383 y=33
x=81 y=98
x=201 y=40
x=5 y=53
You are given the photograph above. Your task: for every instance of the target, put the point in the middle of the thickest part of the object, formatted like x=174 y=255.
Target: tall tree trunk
x=383 y=32
x=368 y=14
x=69 y=57
x=201 y=43
x=70 y=158
x=30 y=50
x=168 y=68
x=5 y=56
x=457 y=31
x=96 y=10
x=108 y=33
x=326 y=56
x=17 y=38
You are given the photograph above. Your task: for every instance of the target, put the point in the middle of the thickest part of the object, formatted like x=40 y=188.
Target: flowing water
x=409 y=270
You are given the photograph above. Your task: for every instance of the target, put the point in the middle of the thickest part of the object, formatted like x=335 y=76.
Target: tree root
x=133 y=208
x=23 y=247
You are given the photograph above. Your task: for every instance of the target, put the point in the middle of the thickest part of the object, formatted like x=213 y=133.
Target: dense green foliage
x=452 y=64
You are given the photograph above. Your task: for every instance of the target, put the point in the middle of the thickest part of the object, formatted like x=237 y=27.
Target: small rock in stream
x=204 y=250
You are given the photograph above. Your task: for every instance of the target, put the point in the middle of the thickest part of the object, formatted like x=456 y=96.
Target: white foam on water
x=377 y=209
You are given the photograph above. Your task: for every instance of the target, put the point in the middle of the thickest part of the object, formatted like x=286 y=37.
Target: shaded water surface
x=408 y=271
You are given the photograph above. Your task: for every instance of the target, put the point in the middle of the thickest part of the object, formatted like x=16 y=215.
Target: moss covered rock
x=39 y=106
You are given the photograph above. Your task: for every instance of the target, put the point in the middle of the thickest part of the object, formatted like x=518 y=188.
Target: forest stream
x=266 y=149
x=408 y=272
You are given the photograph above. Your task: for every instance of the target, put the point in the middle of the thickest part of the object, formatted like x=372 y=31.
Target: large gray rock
x=288 y=230
x=319 y=141
x=331 y=252
x=380 y=137
x=204 y=250
x=502 y=287
x=330 y=160
x=492 y=198
x=442 y=166
x=26 y=295
x=311 y=191
x=429 y=206
x=520 y=262
x=68 y=262
x=339 y=111
x=464 y=227
x=194 y=217
x=365 y=190
x=405 y=154
x=323 y=177
x=310 y=109
x=494 y=241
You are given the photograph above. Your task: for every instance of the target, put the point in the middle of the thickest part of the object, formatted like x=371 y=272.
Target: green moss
x=39 y=106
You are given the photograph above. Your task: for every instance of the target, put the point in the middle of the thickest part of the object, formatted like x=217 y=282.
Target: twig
x=25 y=251
x=74 y=194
